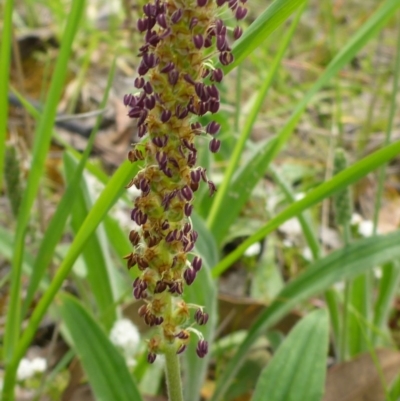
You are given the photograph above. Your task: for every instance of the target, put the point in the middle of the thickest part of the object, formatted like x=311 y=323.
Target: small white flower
x=125 y=335
x=366 y=228
x=253 y=250
x=307 y=255
x=28 y=368
x=356 y=219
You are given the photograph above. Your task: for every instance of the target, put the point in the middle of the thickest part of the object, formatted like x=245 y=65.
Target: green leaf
x=261 y=28
x=106 y=369
x=115 y=187
x=340 y=265
x=95 y=253
x=325 y=190
x=56 y=227
x=297 y=371
x=40 y=149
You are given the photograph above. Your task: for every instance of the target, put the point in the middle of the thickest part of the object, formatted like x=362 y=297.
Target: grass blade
x=325 y=190
x=106 y=369
x=108 y=197
x=40 y=149
x=57 y=224
x=94 y=253
x=261 y=28
x=297 y=371
x=5 y=56
x=340 y=265
x=213 y=220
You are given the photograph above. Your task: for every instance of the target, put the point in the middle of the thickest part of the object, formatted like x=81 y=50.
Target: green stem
x=174 y=384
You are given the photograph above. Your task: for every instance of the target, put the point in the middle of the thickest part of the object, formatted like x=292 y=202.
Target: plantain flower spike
x=179 y=36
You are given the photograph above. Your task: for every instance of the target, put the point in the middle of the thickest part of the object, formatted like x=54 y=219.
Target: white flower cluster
x=27 y=368
x=125 y=335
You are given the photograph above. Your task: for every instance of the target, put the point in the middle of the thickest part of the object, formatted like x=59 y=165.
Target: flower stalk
x=180 y=36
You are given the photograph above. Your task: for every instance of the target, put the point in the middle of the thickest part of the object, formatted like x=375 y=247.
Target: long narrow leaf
x=218 y=204
x=107 y=372
x=340 y=265
x=5 y=55
x=40 y=149
x=325 y=190
x=57 y=224
x=105 y=201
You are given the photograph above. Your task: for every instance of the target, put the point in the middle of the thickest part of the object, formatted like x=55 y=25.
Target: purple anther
x=188 y=247
x=170 y=237
x=213 y=128
x=142 y=130
x=194 y=235
x=207 y=42
x=195 y=175
x=135 y=112
x=202 y=109
x=134 y=237
x=150 y=10
x=151 y=357
x=183 y=335
x=199 y=88
x=148 y=88
x=187 y=193
x=165 y=225
x=201 y=317
x=139 y=82
x=162 y=21
x=150 y=60
x=181 y=112
x=168 y=67
x=202 y=348
x=176 y=288
x=127 y=99
x=221 y=43
x=142 y=69
x=186 y=228
x=189 y=275
x=188 y=209
x=193 y=22
x=201 y=3
x=150 y=102
x=191 y=159
x=158 y=320
x=133 y=213
x=226 y=58
x=142 y=24
x=176 y=16
x=213 y=105
x=213 y=91
x=142 y=118
x=196 y=263
x=240 y=13
x=211 y=187
x=181 y=349
x=217 y=75
x=168 y=172
x=165 y=115
x=189 y=79
x=178 y=234
x=198 y=41
x=220 y=3
x=173 y=77
x=160 y=287
x=232 y=4
x=237 y=32
x=214 y=145
x=188 y=145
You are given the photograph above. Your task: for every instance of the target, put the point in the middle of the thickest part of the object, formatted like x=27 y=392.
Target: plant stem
x=174 y=383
